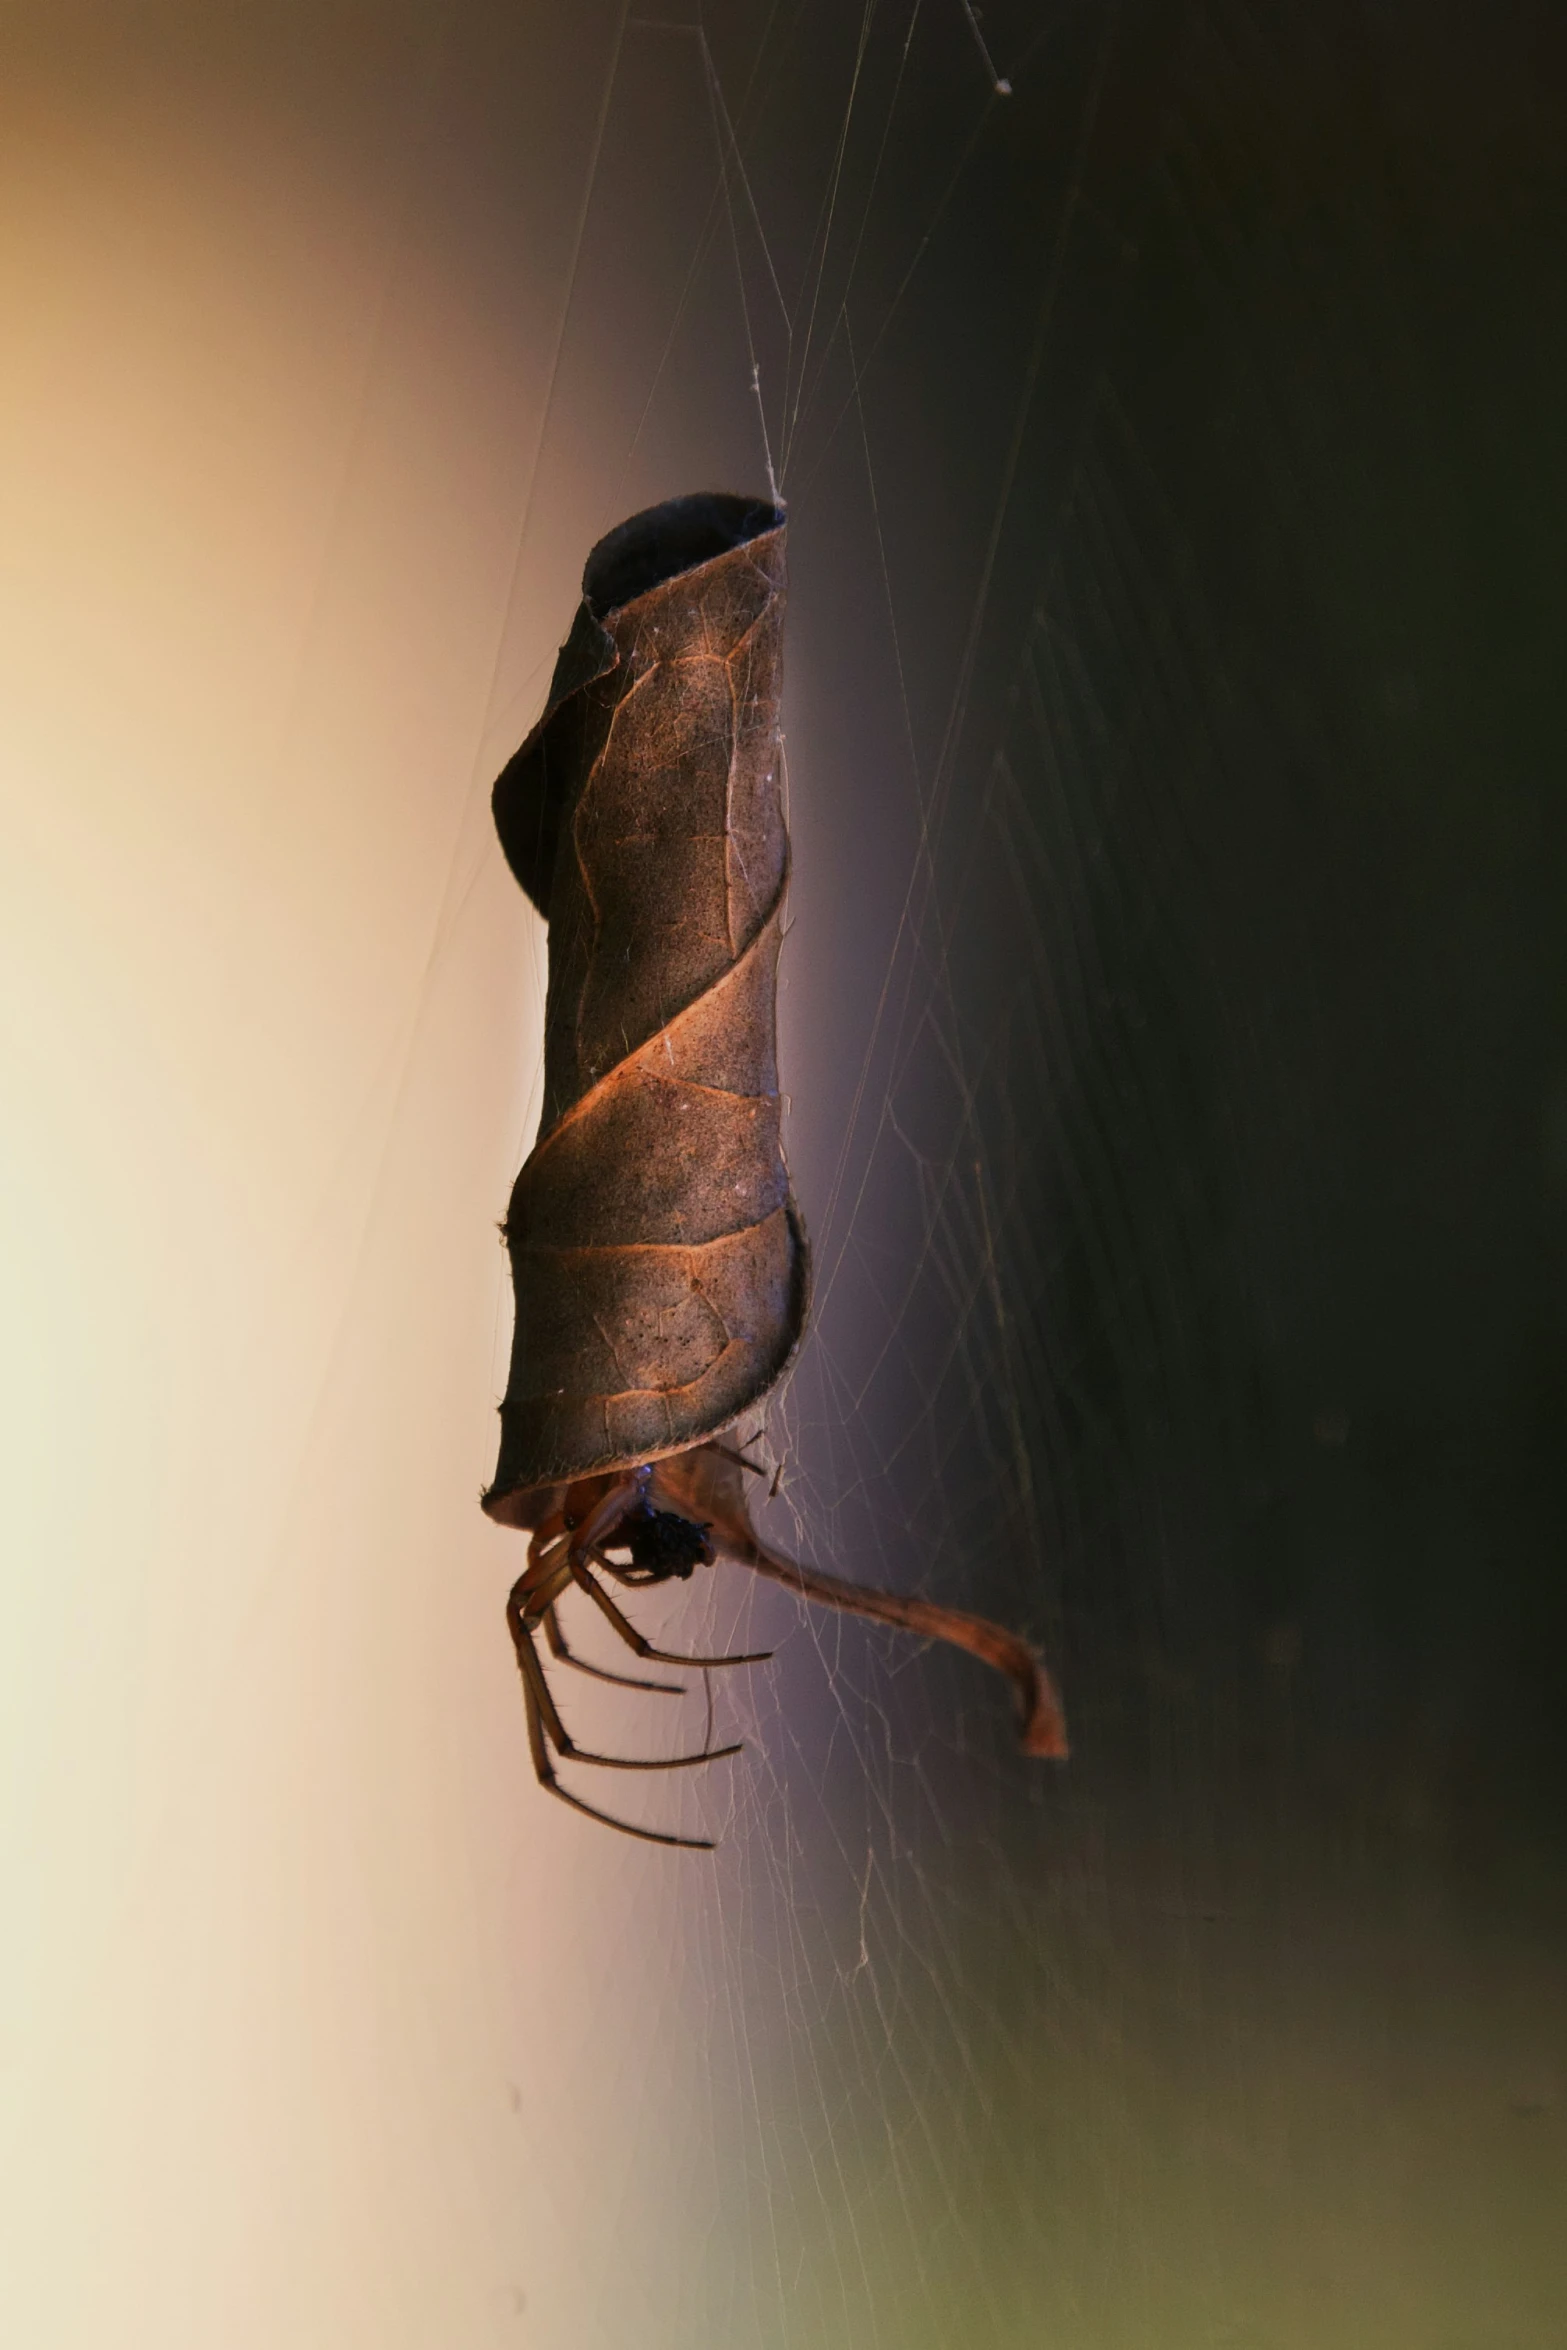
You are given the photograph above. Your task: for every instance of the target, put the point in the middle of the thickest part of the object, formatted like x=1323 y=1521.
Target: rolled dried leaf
x=658 y=1259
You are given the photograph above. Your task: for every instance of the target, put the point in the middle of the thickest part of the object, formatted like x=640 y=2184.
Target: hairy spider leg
x=628 y=1493
x=1042 y=1722
x=560 y=1737
x=555 y=1561
x=544 y=1772
x=589 y=1583
x=547 y=1540
x=729 y=1454
x=624 y=1495
x=531 y=1600
x=555 y=1635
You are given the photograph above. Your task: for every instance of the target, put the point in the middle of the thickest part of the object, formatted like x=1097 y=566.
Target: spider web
x=1170 y=1022
x=1067 y=839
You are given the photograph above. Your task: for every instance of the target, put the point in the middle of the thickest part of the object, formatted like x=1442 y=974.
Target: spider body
x=664 y=1546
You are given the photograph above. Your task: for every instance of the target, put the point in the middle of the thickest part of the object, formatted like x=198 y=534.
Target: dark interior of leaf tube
x=665 y=540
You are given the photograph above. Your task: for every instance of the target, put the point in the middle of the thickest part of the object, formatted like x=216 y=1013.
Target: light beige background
x=319 y=2028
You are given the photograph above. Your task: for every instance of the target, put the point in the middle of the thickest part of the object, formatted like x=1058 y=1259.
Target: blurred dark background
x=1190 y=1192
x=1200 y=1233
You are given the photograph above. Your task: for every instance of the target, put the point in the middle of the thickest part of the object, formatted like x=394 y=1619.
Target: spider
x=659 y=1263
x=658 y=1522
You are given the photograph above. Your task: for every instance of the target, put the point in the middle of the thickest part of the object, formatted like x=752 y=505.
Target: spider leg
x=619 y=1502
x=556 y=1637
x=738 y=1458
x=521 y=1626
x=633 y=1638
x=536 y=1600
x=1042 y=1721
x=544 y=1772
